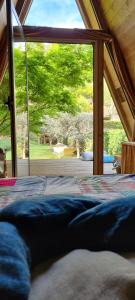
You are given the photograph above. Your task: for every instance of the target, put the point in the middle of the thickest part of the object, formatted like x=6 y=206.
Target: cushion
x=108 y=158
x=87 y=156
x=110 y=225
x=43 y=220
x=85 y=275
x=14 y=266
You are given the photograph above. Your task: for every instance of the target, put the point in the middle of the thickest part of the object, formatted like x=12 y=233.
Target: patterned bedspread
x=104 y=187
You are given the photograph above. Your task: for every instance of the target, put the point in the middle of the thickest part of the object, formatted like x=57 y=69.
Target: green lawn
x=40 y=151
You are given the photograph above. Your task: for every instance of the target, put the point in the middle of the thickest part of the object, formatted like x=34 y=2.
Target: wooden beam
x=98 y=108
x=3 y=54
x=121 y=106
x=93 y=18
x=12 y=104
x=83 y=13
x=1 y=3
x=61 y=35
x=22 y=8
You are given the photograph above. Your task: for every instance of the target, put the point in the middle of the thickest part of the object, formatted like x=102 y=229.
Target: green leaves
x=57 y=77
x=55 y=72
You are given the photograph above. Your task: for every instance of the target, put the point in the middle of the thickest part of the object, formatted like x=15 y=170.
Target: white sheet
x=85 y=275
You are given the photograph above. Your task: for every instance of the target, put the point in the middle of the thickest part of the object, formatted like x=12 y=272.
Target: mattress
x=105 y=187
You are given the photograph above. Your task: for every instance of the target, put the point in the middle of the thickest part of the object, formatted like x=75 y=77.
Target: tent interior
x=70 y=237
x=116 y=61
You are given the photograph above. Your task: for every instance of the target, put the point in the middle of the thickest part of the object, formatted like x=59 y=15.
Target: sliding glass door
x=19 y=89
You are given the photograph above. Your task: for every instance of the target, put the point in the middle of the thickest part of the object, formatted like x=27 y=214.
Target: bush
x=113 y=140
x=5 y=143
x=109 y=124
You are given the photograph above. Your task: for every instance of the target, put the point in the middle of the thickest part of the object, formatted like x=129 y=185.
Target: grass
x=41 y=151
x=8 y=155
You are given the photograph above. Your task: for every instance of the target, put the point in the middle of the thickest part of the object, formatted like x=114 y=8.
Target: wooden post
x=98 y=108
x=12 y=104
x=128 y=158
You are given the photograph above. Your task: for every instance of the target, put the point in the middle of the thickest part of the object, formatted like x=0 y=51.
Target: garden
x=57 y=108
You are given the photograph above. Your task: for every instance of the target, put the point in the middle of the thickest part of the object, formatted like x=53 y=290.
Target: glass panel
x=60 y=108
x=5 y=130
x=20 y=65
x=114 y=134
x=55 y=13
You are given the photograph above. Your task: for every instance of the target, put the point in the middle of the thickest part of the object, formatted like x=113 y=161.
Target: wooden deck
x=58 y=167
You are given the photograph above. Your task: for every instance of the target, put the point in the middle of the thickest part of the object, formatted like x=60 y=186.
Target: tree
x=22 y=135
x=84 y=96
x=82 y=130
x=4 y=110
x=72 y=130
x=57 y=76
x=51 y=128
x=55 y=72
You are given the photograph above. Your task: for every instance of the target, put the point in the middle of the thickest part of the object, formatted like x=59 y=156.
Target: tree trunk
x=23 y=149
x=65 y=140
x=77 y=149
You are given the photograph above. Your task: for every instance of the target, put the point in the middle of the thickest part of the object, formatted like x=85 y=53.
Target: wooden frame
x=79 y=36
x=22 y=8
x=1 y=3
x=61 y=35
x=20 y=13
x=98 y=108
x=93 y=17
x=12 y=103
x=7 y=58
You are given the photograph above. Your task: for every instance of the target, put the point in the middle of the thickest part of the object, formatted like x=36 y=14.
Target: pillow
x=108 y=158
x=43 y=220
x=14 y=267
x=110 y=226
x=87 y=156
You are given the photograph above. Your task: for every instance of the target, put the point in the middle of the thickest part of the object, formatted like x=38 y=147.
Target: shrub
x=113 y=140
x=5 y=143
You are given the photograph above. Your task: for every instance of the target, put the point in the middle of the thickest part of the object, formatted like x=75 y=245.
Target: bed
x=104 y=187
x=86 y=268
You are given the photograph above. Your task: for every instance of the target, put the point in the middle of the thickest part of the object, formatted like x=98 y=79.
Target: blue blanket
x=34 y=230
x=14 y=264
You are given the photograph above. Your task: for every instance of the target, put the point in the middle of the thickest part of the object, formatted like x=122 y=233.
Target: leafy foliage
x=72 y=130
x=113 y=125
x=4 y=110
x=57 y=76
x=60 y=86
x=58 y=80
x=113 y=140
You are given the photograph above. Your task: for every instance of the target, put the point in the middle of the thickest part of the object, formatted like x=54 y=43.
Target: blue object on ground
x=88 y=156
x=108 y=158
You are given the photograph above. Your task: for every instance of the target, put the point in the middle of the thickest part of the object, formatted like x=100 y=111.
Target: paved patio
x=59 y=167
x=66 y=167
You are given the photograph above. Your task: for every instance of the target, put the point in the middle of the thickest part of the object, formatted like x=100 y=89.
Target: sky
x=55 y=13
